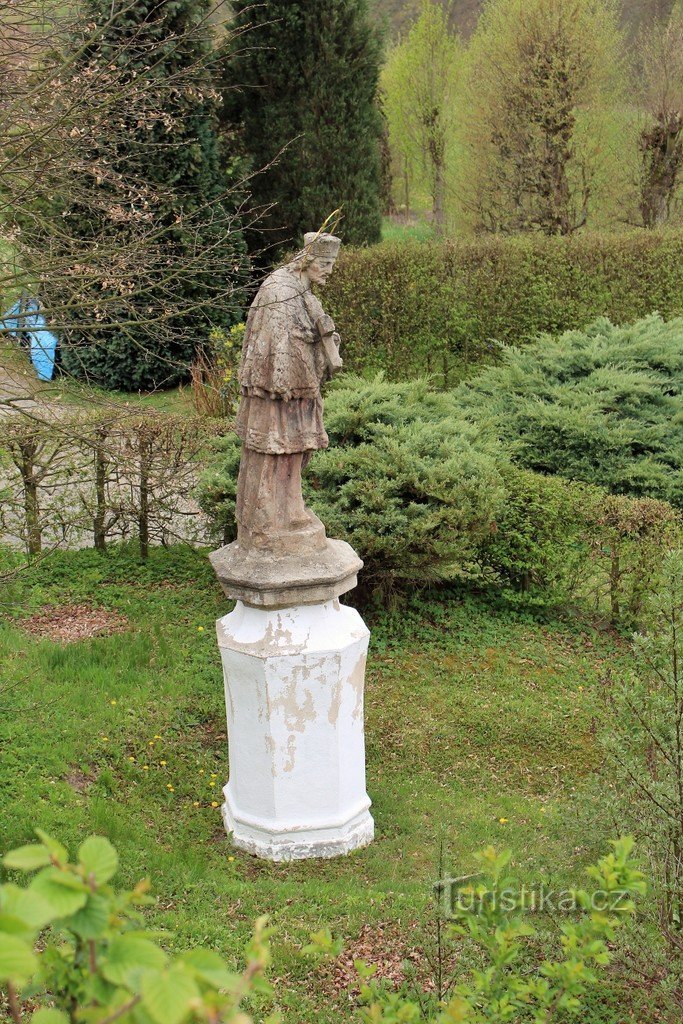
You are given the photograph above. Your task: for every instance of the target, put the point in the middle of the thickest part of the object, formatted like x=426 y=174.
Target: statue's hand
x=325 y=325
x=338 y=361
x=332 y=357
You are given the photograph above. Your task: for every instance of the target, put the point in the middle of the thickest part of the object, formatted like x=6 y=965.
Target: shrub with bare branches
x=118 y=204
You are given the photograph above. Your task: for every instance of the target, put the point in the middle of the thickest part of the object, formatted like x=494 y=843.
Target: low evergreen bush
x=424 y=496
x=414 y=307
x=406 y=481
x=603 y=405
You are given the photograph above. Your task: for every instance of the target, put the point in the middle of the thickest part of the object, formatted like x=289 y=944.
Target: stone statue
x=290 y=350
x=293 y=655
x=291 y=347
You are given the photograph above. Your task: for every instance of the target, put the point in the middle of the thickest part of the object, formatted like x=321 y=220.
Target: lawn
x=413 y=228
x=480 y=729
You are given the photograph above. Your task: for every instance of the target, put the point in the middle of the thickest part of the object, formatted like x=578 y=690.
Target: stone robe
x=280 y=418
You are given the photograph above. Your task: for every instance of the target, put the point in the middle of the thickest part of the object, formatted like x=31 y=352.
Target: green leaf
x=34 y=911
x=27 y=858
x=168 y=994
x=98 y=858
x=128 y=954
x=49 y=1017
x=12 y=925
x=140 y=1015
x=91 y=921
x=57 y=851
x=210 y=967
x=64 y=893
x=17 y=960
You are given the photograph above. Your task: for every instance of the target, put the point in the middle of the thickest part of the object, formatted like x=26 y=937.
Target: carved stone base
x=294 y=681
x=282 y=581
x=296 y=843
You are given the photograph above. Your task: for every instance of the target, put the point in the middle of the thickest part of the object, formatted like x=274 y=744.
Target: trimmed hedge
x=412 y=307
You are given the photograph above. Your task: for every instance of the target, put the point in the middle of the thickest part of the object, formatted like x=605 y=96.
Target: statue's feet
x=297 y=537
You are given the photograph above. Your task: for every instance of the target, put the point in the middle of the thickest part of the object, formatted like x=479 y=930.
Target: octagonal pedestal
x=294 y=680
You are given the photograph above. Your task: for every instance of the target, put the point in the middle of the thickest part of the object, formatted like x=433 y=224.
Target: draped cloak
x=282 y=369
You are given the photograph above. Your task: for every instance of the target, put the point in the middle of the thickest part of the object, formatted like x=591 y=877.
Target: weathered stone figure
x=290 y=350
x=282 y=556
x=293 y=655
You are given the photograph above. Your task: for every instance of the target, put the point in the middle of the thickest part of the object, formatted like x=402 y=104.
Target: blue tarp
x=25 y=318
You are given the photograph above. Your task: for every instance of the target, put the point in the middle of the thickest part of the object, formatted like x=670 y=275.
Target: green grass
x=175 y=400
x=415 y=231
x=473 y=715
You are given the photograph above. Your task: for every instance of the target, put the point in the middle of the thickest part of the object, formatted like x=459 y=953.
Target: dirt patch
x=79 y=780
x=387 y=947
x=73 y=622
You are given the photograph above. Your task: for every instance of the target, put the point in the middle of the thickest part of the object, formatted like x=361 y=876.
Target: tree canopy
x=303 y=84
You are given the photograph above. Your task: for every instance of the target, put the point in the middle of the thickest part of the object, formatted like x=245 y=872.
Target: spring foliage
x=537 y=106
x=95 y=957
x=419 y=82
x=97 y=961
x=492 y=913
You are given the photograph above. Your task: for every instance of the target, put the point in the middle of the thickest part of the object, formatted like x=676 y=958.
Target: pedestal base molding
x=298 y=842
x=284 y=580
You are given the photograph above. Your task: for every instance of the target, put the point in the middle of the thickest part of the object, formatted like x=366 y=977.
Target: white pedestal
x=294 y=680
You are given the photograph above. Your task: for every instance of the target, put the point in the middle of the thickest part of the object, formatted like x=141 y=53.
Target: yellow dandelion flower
x=195 y=803
x=105 y=739
x=157 y=737
x=200 y=629
x=503 y=821
x=201 y=771
x=214 y=775
x=145 y=767
x=169 y=787
x=131 y=758
x=231 y=858
x=213 y=782
x=214 y=803
x=113 y=703
x=162 y=763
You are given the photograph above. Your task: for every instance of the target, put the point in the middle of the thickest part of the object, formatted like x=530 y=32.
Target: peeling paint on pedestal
x=294 y=680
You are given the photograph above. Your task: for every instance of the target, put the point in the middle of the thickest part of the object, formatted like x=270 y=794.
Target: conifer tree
x=304 y=88
x=154 y=186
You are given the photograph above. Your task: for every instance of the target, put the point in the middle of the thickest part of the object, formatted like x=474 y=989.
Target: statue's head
x=318 y=256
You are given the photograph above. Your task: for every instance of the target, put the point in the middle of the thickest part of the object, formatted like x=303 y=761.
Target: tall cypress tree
x=304 y=88
x=159 y=196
